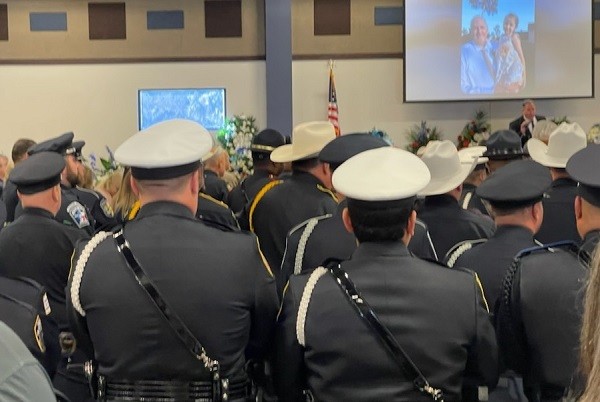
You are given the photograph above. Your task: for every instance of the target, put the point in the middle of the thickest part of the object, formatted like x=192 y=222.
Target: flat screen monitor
x=497 y=49
x=203 y=105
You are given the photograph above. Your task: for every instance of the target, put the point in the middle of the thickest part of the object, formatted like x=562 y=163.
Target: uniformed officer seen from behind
x=9 y=194
x=559 y=216
x=468 y=198
x=37 y=247
x=540 y=309
x=438 y=316
x=215 y=282
x=72 y=212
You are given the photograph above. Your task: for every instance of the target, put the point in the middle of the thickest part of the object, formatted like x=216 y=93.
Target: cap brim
x=444 y=185
x=538 y=151
x=287 y=153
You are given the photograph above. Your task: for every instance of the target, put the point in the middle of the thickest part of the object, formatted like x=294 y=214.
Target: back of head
x=20 y=147
x=265 y=142
x=381 y=186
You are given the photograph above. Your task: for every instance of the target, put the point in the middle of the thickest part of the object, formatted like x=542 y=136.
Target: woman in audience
x=125 y=204
x=590 y=334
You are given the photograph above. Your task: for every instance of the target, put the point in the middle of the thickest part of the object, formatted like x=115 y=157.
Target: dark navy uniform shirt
x=559 y=213
x=216 y=281
x=438 y=315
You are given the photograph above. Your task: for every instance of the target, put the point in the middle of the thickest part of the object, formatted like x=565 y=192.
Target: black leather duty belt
x=164 y=391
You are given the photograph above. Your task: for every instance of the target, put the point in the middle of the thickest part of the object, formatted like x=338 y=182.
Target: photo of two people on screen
x=492 y=57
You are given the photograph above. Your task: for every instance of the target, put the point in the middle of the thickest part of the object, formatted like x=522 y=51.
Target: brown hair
x=590 y=334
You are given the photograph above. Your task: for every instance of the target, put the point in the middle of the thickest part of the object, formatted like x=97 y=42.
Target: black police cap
x=267 y=140
x=59 y=145
x=518 y=184
x=584 y=166
x=504 y=145
x=75 y=149
x=342 y=148
x=39 y=172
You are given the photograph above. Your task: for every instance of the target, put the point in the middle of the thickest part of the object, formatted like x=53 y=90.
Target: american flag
x=332 y=110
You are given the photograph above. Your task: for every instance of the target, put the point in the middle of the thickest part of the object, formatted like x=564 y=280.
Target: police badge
x=78 y=214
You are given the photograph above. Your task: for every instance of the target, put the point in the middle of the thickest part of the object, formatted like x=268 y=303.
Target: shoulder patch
x=38 y=333
x=106 y=208
x=78 y=214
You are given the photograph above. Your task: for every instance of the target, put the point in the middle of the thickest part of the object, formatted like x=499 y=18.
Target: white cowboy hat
x=307 y=141
x=543 y=129
x=447 y=173
x=567 y=139
x=468 y=154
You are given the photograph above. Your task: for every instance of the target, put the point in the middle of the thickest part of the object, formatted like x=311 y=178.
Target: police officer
x=539 y=315
x=37 y=247
x=516 y=204
x=583 y=167
x=265 y=170
x=215 y=213
x=502 y=148
x=9 y=194
x=468 y=198
x=72 y=212
x=101 y=212
x=559 y=216
x=448 y=223
x=437 y=315
x=212 y=282
x=281 y=205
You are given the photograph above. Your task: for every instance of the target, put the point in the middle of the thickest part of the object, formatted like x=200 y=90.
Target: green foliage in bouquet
x=420 y=135
x=475 y=131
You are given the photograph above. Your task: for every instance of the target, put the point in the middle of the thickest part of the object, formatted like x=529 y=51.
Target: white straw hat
x=307 y=141
x=566 y=140
x=447 y=172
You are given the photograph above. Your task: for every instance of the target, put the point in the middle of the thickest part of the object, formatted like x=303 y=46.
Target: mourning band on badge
x=164 y=173
x=589 y=193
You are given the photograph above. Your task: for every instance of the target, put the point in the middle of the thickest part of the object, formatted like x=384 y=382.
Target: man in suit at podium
x=524 y=124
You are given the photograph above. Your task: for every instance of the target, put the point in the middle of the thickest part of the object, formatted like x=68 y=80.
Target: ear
x=134 y=187
x=412 y=221
x=537 y=212
x=577 y=205
x=347 y=221
x=195 y=182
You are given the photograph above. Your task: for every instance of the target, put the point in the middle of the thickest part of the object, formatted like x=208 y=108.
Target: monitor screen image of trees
x=497 y=49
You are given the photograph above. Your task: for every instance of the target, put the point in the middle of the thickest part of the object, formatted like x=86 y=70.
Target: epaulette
x=212 y=199
x=327 y=191
x=257 y=199
x=459 y=249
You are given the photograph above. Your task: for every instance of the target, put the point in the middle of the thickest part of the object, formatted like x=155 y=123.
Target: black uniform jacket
x=491 y=259
x=449 y=224
x=539 y=319
x=216 y=281
x=559 y=213
x=284 y=206
x=215 y=213
x=470 y=200
x=242 y=194
x=590 y=241
x=37 y=247
x=437 y=315
x=72 y=212
x=10 y=198
x=215 y=186
x=330 y=239
x=96 y=204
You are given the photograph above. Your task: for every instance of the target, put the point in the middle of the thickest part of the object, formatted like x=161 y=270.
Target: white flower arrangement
x=236 y=138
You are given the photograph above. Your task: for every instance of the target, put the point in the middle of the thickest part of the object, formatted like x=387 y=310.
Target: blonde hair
x=124 y=198
x=110 y=184
x=590 y=333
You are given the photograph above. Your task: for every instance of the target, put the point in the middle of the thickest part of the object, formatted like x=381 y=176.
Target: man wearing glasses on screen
x=477 y=70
